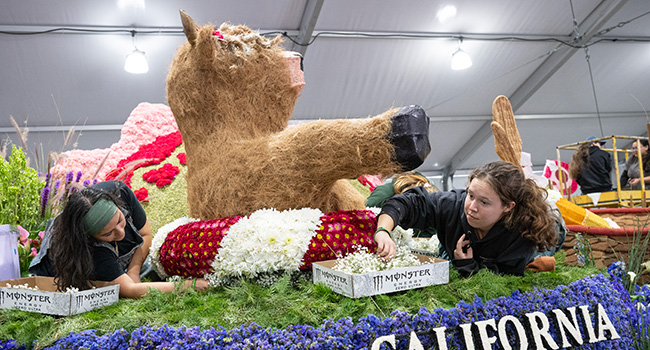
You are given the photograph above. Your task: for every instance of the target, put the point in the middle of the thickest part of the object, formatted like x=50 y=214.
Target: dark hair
x=579 y=159
x=531 y=214
x=71 y=247
x=646 y=157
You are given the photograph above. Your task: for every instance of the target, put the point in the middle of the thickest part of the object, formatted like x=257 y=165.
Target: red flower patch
x=190 y=249
x=150 y=154
x=340 y=234
x=182 y=158
x=142 y=194
x=162 y=176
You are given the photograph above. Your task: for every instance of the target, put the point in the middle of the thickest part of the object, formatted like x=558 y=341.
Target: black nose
x=302 y=59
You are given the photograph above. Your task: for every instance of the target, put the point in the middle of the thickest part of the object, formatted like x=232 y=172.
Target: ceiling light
x=446 y=13
x=136 y=61
x=460 y=59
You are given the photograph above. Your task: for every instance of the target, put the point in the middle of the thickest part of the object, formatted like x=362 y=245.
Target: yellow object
x=575 y=215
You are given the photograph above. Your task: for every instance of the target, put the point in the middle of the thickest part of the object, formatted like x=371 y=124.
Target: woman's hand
x=463 y=249
x=634 y=182
x=201 y=285
x=386 y=248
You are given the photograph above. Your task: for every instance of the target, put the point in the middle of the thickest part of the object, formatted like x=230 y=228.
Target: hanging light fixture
x=460 y=59
x=136 y=61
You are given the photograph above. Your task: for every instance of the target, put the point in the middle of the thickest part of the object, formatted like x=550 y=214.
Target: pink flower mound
x=146 y=122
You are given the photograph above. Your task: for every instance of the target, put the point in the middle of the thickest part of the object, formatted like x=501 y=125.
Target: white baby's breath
x=362 y=261
x=21 y=286
x=69 y=290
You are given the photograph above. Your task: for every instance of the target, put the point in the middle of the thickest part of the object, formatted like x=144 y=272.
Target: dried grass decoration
x=232 y=94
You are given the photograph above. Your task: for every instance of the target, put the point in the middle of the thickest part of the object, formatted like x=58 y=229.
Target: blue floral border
x=344 y=334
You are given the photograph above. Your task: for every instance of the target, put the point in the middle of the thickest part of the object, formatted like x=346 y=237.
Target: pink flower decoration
x=371 y=181
x=217 y=34
x=24 y=234
x=41 y=234
x=146 y=122
x=34 y=252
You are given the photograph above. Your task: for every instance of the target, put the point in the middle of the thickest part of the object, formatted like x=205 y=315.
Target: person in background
x=401 y=183
x=631 y=175
x=590 y=167
x=497 y=222
x=102 y=234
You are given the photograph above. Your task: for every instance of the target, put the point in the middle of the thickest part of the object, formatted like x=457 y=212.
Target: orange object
x=575 y=215
x=542 y=264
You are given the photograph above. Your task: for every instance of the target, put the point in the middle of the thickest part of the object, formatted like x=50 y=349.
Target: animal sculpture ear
x=188 y=27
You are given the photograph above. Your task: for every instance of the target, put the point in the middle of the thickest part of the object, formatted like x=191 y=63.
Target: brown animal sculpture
x=232 y=93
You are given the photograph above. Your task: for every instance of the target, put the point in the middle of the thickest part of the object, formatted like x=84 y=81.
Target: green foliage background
x=20 y=187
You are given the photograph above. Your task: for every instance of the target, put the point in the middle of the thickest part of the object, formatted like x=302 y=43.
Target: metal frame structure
x=619 y=197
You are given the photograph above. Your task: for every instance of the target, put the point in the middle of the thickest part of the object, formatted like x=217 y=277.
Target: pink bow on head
x=214 y=32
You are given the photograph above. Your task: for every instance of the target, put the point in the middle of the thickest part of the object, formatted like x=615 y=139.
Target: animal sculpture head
x=233 y=66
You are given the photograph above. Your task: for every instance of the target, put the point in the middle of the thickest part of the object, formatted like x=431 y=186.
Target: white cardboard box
x=46 y=300
x=381 y=282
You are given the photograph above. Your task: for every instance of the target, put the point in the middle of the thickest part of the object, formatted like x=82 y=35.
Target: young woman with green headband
x=101 y=235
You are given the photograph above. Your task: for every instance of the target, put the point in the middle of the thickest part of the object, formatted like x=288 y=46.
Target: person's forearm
x=137 y=290
x=385 y=221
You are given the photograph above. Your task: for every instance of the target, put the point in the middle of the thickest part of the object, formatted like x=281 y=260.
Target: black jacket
x=594 y=176
x=501 y=250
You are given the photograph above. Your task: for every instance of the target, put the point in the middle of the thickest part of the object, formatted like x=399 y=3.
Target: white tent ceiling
x=363 y=57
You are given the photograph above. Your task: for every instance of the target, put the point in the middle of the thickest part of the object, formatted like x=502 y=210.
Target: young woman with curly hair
x=101 y=235
x=497 y=222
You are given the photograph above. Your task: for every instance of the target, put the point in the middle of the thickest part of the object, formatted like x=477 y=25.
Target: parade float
x=607 y=226
x=602 y=312
x=259 y=257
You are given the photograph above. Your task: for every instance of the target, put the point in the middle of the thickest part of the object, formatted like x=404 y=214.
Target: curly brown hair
x=531 y=215
x=579 y=159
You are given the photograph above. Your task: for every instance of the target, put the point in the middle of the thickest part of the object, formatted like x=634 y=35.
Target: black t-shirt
x=501 y=250
x=107 y=267
x=595 y=174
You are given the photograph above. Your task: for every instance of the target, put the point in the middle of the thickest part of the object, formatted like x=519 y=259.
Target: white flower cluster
x=266 y=241
x=69 y=290
x=72 y=290
x=21 y=286
x=362 y=261
x=427 y=244
x=159 y=239
x=405 y=238
x=553 y=197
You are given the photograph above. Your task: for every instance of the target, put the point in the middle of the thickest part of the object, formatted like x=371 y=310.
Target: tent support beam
x=307 y=25
x=556 y=59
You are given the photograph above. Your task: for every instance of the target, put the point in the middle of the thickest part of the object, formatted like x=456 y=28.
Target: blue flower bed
x=344 y=334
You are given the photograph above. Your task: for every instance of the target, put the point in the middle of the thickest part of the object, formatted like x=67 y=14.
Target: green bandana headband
x=99 y=215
